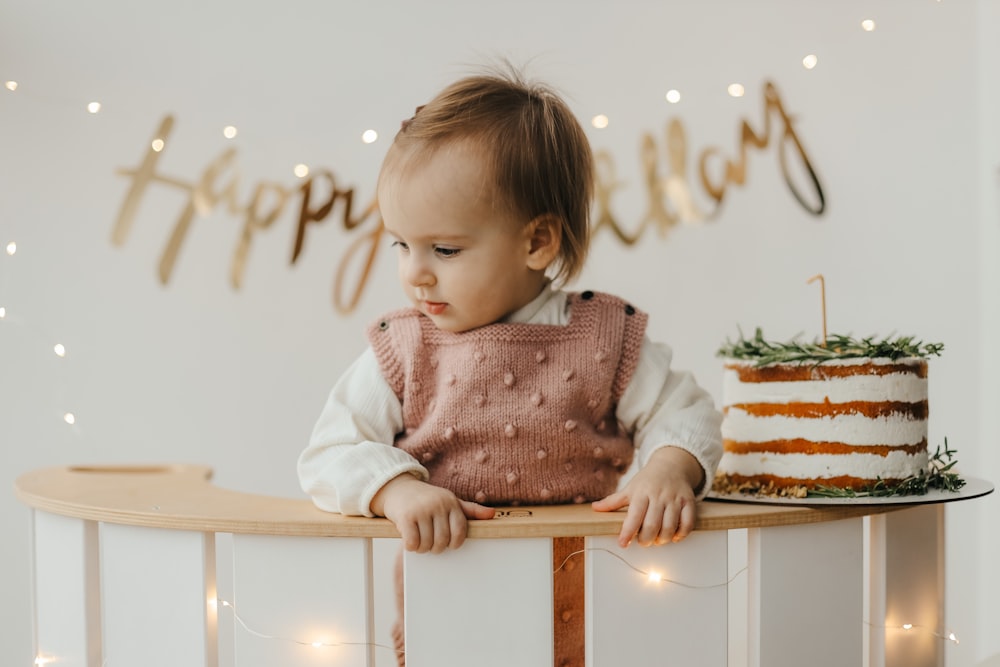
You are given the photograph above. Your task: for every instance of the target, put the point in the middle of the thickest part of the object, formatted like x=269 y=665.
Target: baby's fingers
x=687 y=521
x=409 y=533
x=458 y=529
x=664 y=523
x=634 y=523
x=615 y=501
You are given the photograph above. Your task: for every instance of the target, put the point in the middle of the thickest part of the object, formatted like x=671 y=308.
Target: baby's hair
x=535 y=148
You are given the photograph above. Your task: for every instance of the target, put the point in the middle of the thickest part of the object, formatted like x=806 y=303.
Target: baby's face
x=463 y=257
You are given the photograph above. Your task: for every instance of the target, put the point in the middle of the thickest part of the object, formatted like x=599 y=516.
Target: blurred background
x=172 y=288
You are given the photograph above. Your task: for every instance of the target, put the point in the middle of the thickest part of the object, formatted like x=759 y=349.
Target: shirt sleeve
x=350 y=455
x=663 y=407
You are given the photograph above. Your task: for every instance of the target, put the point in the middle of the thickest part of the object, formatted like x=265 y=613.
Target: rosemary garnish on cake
x=937 y=476
x=837 y=346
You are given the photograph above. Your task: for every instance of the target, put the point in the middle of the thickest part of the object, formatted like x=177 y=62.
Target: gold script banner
x=670 y=199
x=218 y=184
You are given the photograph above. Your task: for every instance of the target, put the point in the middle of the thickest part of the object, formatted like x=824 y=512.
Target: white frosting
x=851 y=429
x=905 y=387
x=848 y=429
x=897 y=465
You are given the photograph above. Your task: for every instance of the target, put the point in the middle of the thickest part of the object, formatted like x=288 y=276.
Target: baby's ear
x=544 y=239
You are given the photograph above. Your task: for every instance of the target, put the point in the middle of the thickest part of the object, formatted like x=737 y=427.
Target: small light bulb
x=868 y=25
x=94 y=107
x=735 y=90
x=952 y=637
x=11 y=248
x=810 y=61
x=301 y=170
x=229 y=131
x=600 y=121
x=673 y=96
x=69 y=418
x=10 y=85
x=318 y=644
x=59 y=349
x=369 y=136
x=3 y=312
x=157 y=145
x=907 y=626
x=226 y=604
x=655 y=577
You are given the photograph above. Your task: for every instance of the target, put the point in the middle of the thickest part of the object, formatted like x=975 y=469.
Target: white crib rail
x=125 y=567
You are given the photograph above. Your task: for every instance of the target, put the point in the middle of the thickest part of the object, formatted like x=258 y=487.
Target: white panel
x=913 y=591
x=156 y=586
x=67 y=598
x=384 y=554
x=291 y=592
x=874 y=592
x=487 y=604
x=680 y=620
x=806 y=594
x=737 y=597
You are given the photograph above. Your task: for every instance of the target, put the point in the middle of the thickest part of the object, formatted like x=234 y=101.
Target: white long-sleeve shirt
x=350 y=455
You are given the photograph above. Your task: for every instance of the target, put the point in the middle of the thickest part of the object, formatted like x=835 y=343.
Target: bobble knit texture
x=516 y=413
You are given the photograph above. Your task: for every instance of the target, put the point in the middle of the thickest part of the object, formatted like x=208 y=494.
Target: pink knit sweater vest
x=516 y=413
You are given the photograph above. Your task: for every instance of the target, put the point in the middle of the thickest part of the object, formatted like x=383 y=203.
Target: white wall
x=899 y=123
x=988 y=172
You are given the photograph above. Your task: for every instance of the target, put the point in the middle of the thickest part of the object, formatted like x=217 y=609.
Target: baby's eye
x=400 y=245
x=446 y=252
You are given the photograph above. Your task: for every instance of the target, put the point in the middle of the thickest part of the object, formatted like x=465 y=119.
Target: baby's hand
x=428 y=517
x=660 y=499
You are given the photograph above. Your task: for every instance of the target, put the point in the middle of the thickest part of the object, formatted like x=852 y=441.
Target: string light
x=651 y=575
x=600 y=121
x=810 y=61
x=11 y=248
x=369 y=136
x=736 y=90
x=229 y=131
x=10 y=85
x=910 y=626
x=301 y=170
x=3 y=312
x=94 y=107
x=292 y=640
x=868 y=25
x=59 y=349
x=157 y=145
x=673 y=96
x=656 y=577
x=69 y=418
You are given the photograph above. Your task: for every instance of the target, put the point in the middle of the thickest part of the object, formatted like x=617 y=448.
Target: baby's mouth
x=434 y=307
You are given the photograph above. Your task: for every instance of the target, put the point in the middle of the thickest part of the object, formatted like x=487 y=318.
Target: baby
x=495 y=387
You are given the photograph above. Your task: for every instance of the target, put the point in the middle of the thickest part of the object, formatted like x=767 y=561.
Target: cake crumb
x=725 y=485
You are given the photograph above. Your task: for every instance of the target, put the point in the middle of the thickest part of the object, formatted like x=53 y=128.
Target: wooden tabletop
x=182 y=497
